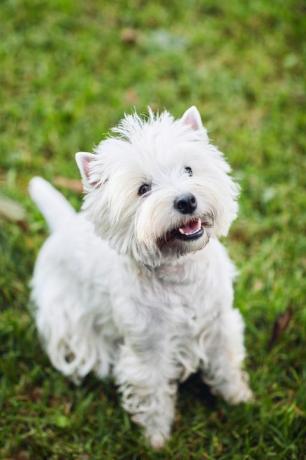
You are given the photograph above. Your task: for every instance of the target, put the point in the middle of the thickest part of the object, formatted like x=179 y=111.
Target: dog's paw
x=241 y=394
x=157 y=441
x=236 y=390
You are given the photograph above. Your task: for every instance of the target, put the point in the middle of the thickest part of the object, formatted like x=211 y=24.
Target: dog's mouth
x=188 y=231
x=192 y=230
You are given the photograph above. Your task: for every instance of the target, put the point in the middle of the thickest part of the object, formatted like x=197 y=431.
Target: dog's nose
x=185 y=204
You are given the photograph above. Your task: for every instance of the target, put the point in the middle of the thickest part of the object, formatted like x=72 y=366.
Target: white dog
x=137 y=285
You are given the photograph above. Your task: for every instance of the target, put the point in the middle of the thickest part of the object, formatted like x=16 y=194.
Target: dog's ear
x=83 y=160
x=192 y=118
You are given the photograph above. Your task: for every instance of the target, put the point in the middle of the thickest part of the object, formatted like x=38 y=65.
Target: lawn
x=69 y=70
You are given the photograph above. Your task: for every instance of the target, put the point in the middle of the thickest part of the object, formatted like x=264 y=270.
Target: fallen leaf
x=12 y=211
x=280 y=325
x=21 y=455
x=131 y=97
x=74 y=185
x=129 y=35
x=35 y=394
x=67 y=407
x=258 y=285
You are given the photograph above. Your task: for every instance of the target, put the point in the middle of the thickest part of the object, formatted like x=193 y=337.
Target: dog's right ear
x=83 y=160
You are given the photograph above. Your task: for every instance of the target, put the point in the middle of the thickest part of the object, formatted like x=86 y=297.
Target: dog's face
x=159 y=189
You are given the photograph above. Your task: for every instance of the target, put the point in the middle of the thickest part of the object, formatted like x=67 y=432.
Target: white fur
x=114 y=298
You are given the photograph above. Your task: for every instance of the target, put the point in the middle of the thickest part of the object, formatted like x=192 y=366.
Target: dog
x=137 y=285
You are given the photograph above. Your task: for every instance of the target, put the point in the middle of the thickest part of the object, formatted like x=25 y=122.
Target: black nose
x=186 y=204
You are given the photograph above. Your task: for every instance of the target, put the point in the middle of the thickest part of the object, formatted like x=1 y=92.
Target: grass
x=69 y=70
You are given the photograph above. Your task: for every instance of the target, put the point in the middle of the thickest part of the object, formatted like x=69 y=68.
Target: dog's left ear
x=192 y=118
x=83 y=160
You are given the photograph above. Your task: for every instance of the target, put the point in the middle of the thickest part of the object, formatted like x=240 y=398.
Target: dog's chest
x=182 y=309
x=178 y=296
x=170 y=308
x=182 y=291
x=182 y=329
x=187 y=313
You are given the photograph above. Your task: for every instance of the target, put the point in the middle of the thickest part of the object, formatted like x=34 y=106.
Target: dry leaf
x=12 y=211
x=21 y=455
x=131 y=97
x=129 y=35
x=280 y=325
x=74 y=185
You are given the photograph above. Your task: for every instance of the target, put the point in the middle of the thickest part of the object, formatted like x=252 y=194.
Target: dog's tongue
x=191 y=227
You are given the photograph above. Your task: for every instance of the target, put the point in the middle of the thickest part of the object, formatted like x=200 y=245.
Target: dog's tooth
x=187 y=230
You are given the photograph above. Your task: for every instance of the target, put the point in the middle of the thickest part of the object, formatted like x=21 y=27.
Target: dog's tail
x=54 y=207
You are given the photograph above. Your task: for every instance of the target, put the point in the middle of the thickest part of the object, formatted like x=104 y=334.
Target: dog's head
x=158 y=189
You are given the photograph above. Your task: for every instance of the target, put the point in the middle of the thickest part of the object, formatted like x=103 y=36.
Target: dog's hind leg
x=71 y=332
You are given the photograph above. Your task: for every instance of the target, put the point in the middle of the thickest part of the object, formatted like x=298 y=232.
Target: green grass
x=67 y=75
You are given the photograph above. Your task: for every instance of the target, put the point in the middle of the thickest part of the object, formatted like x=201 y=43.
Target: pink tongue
x=192 y=227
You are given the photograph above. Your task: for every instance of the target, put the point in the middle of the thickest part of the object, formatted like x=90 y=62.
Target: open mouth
x=192 y=230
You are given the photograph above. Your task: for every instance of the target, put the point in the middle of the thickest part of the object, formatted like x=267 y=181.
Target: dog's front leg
x=147 y=393
x=222 y=357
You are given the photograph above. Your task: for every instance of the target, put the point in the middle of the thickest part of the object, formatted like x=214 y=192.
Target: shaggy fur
x=132 y=286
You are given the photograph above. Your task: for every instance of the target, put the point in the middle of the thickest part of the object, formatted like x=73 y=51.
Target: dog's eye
x=188 y=170
x=144 y=188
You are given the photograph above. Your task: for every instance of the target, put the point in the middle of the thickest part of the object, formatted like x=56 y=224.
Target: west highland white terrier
x=137 y=285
